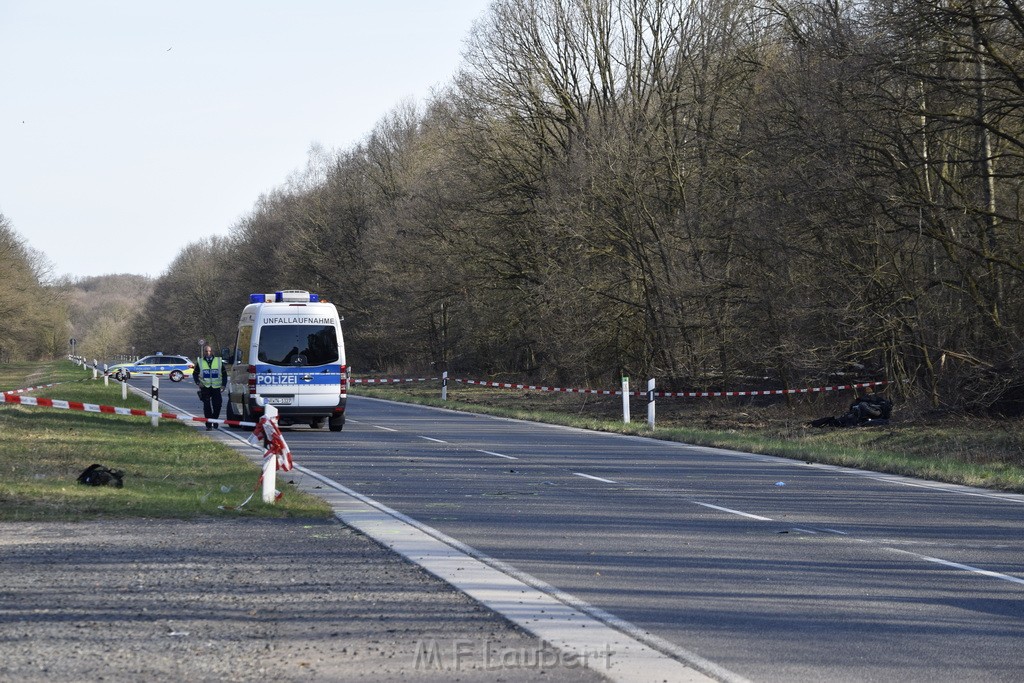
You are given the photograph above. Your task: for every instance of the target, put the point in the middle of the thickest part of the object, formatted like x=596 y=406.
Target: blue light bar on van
x=298 y=296
x=285 y=295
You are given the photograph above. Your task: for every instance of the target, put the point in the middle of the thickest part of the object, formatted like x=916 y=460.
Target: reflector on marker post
x=650 y=403
x=155 y=403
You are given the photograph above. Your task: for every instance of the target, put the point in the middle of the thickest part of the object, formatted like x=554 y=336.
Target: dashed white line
x=498 y=455
x=590 y=476
x=964 y=567
x=886 y=478
x=735 y=512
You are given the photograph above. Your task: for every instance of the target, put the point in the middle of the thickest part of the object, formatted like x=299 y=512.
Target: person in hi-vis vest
x=211 y=379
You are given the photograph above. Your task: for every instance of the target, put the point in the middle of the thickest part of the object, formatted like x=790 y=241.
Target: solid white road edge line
x=563 y=621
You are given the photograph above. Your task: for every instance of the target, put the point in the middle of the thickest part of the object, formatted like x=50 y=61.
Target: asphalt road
x=773 y=569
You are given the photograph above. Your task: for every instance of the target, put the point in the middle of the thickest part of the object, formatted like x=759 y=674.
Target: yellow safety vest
x=211 y=375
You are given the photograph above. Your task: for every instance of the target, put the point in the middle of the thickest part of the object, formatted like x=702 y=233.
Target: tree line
x=34 y=313
x=717 y=193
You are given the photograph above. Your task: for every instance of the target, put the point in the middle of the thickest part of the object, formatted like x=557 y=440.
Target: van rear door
x=299 y=365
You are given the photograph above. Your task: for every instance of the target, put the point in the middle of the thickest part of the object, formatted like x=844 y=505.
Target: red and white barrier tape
x=26 y=389
x=393 y=381
x=765 y=392
x=47 y=386
x=675 y=394
x=268 y=430
x=111 y=410
x=531 y=387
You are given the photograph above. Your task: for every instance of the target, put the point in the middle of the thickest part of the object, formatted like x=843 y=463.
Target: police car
x=176 y=368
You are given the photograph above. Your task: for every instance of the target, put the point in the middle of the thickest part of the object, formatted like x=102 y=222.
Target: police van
x=289 y=353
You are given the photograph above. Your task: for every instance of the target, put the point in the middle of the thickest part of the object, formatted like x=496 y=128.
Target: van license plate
x=279 y=400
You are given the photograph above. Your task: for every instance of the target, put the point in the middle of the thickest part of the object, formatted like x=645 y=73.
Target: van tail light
x=344 y=379
x=255 y=409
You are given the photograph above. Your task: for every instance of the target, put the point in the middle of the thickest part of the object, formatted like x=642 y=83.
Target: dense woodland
x=34 y=315
x=719 y=194
x=43 y=313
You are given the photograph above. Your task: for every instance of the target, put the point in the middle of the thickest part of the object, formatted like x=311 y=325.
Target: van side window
x=242 y=344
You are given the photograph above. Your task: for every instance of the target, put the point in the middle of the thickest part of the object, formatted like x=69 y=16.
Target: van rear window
x=298 y=345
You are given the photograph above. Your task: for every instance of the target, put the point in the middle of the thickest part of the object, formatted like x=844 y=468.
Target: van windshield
x=298 y=345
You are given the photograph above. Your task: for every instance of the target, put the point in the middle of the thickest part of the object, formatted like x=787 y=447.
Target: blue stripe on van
x=278 y=376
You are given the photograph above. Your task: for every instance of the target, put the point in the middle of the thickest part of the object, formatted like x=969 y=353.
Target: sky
x=131 y=128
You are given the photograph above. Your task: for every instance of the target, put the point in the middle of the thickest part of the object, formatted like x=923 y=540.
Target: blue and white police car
x=176 y=368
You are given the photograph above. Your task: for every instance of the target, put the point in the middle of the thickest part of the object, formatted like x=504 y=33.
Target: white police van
x=289 y=353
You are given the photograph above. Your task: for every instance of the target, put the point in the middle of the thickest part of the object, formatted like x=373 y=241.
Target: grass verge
x=983 y=453
x=170 y=471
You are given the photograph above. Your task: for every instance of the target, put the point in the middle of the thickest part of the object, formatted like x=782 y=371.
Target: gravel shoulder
x=243 y=600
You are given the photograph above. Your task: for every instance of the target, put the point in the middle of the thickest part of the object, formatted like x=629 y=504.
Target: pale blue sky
x=130 y=128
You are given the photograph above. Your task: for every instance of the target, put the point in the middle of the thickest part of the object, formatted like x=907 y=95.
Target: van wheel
x=232 y=415
x=177 y=375
x=318 y=423
x=246 y=416
x=335 y=424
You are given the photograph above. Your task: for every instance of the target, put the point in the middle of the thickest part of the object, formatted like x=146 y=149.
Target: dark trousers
x=211 y=402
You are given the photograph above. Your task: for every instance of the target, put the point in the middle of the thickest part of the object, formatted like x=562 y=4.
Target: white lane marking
x=887 y=478
x=734 y=512
x=609 y=645
x=768 y=459
x=432 y=439
x=964 y=567
x=386 y=429
x=499 y=455
x=589 y=476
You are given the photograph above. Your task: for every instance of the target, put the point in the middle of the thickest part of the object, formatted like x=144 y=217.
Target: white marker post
x=625 y=400
x=650 y=403
x=155 y=402
x=269 y=464
x=444 y=385
x=124 y=389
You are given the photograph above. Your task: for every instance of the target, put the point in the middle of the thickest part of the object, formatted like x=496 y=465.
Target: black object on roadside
x=868 y=410
x=98 y=475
